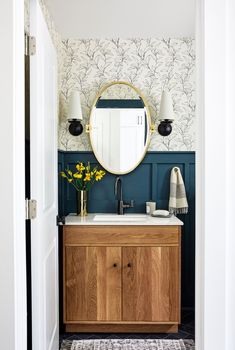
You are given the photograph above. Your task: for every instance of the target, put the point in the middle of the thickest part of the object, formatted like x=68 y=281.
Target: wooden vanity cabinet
x=93 y=283
x=150 y=284
x=121 y=278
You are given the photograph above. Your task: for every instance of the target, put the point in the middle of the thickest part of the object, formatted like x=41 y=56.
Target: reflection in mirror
x=119 y=128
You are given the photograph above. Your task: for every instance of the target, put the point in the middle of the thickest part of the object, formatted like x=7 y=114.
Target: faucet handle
x=128 y=204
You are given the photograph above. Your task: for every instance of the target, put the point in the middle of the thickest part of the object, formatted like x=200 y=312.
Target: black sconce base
x=165 y=128
x=75 y=127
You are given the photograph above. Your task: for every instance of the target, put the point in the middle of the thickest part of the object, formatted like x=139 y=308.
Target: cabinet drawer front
x=116 y=235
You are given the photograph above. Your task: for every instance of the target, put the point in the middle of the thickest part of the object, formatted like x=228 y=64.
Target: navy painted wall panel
x=150 y=180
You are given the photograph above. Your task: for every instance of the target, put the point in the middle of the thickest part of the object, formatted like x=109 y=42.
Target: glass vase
x=82 y=198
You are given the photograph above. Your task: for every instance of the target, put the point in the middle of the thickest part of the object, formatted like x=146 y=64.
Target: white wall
x=12 y=213
x=123 y=18
x=230 y=171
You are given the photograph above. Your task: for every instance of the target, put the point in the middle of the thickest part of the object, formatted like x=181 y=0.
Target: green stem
x=78 y=183
x=74 y=186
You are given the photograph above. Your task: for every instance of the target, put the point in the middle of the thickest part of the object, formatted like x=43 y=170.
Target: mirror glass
x=120 y=127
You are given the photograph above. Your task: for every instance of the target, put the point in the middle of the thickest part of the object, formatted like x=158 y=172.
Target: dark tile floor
x=186 y=331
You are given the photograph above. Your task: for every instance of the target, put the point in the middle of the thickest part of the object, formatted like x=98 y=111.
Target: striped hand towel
x=178 y=203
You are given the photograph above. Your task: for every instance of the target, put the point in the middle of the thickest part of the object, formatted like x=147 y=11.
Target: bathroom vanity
x=121 y=273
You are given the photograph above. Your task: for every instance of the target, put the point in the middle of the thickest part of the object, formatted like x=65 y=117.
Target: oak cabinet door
x=151 y=284
x=92 y=283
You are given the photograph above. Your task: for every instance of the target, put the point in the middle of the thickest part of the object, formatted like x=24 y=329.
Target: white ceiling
x=123 y=18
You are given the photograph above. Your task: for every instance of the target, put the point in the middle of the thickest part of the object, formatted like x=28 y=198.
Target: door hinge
x=30 y=45
x=30 y=209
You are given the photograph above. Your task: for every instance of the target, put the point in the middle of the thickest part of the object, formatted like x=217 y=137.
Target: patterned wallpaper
x=149 y=64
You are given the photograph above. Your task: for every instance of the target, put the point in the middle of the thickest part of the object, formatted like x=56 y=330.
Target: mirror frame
x=149 y=121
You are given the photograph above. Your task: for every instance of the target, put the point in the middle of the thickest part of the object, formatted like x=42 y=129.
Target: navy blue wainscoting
x=150 y=180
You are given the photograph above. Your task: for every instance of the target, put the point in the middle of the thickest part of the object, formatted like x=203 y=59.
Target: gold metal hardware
x=88 y=128
x=82 y=203
x=152 y=128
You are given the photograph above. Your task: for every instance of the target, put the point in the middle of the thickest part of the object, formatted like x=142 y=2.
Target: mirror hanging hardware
x=152 y=128
x=30 y=45
x=30 y=209
x=88 y=128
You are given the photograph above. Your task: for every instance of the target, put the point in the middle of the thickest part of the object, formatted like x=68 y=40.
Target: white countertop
x=127 y=219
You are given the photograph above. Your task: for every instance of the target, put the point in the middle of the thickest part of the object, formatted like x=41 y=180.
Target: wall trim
x=149 y=152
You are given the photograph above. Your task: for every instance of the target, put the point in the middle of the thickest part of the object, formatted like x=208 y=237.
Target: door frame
x=12 y=189
x=215 y=187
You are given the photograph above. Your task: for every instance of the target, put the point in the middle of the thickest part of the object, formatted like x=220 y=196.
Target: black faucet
x=118 y=194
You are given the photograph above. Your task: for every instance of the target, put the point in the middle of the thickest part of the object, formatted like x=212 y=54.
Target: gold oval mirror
x=120 y=127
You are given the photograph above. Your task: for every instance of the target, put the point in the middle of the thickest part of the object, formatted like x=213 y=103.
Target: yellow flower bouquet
x=82 y=180
x=84 y=177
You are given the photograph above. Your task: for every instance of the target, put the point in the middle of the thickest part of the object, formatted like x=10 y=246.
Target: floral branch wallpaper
x=149 y=64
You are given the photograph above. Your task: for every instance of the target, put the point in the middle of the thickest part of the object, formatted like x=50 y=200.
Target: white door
x=44 y=232
x=132 y=128
x=115 y=129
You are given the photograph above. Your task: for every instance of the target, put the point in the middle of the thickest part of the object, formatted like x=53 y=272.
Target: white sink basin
x=116 y=217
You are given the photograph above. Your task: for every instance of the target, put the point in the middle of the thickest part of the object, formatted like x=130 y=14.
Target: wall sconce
x=75 y=114
x=166 y=115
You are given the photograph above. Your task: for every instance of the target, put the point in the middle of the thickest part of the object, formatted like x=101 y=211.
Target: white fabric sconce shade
x=166 y=107
x=166 y=114
x=74 y=106
x=75 y=114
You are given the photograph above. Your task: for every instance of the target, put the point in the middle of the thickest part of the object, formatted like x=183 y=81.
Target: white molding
x=19 y=176
x=199 y=277
x=230 y=171
x=215 y=239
